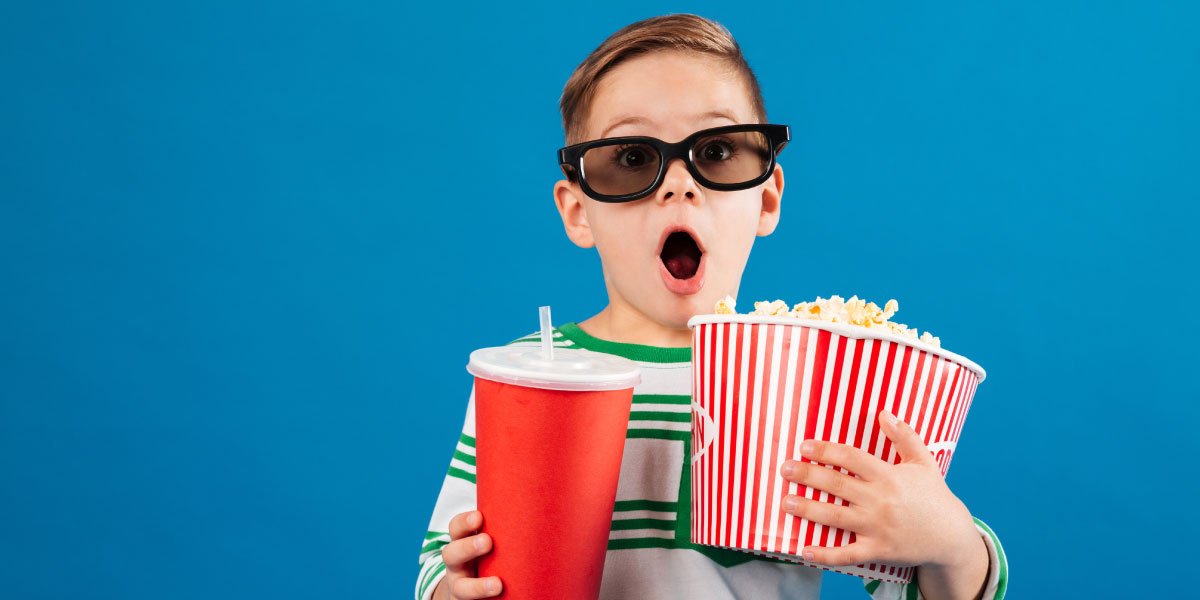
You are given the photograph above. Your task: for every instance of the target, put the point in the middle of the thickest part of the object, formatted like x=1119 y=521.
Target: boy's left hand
x=902 y=514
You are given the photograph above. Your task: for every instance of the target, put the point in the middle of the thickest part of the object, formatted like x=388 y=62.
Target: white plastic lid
x=574 y=369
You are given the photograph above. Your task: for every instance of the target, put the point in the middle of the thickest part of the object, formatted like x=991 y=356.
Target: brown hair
x=685 y=32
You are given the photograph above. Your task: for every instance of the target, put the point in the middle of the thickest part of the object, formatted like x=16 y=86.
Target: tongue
x=681 y=266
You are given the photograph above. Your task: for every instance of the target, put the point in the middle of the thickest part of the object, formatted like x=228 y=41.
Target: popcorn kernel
x=836 y=309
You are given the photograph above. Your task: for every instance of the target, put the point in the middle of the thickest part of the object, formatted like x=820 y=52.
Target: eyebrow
x=712 y=114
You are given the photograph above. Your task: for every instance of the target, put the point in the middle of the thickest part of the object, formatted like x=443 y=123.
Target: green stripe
x=438 y=570
x=654 y=505
x=461 y=474
x=556 y=342
x=640 y=543
x=625 y=524
x=433 y=545
x=431 y=576
x=537 y=336
x=644 y=353
x=463 y=456
x=658 y=434
x=662 y=399
x=466 y=439
x=1002 y=584
x=434 y=539
x=656 y=415
x=872 y=586
x=424 y=581
x=910 y=589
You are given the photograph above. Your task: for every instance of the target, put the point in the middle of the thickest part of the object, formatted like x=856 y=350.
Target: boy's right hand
x=460 y=582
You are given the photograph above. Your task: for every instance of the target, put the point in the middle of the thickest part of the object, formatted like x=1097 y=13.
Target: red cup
x=549 y=435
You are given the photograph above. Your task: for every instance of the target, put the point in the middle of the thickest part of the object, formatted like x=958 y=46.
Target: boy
x=672 y=241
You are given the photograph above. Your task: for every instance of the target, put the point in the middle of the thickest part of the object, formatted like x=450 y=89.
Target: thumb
x=908 y=443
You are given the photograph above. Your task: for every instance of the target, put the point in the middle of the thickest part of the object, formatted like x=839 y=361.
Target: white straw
x=547 y=336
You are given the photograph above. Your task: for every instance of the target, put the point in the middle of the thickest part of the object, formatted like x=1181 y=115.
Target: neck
x=620 y=323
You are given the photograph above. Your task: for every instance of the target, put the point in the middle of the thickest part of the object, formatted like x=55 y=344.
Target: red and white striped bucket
x=761 y=385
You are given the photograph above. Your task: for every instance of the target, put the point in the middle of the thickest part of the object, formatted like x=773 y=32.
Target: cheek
x=613 y=253
x=620 y=235
x=737 y=224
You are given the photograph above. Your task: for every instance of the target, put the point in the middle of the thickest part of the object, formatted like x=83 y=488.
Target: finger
x=908 y=443
x=825 y=513
x=464 y=524
x=825 y=479
x=458 y=553
x=857 y=461
x=850 y=554
x=476 y=587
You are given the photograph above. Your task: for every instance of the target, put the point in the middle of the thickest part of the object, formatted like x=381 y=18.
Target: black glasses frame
x=570 y=158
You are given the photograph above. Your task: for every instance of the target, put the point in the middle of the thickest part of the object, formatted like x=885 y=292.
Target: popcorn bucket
x=763 y=384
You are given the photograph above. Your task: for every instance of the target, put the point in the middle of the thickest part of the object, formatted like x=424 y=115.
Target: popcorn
x=836 y=309
x=725 y=306
x=776 y=308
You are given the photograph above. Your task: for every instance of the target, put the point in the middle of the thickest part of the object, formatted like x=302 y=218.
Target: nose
x=678 y=182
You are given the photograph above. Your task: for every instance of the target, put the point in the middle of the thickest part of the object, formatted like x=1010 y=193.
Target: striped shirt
x=650 y=555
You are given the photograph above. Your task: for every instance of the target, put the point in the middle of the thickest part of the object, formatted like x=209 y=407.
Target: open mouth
x=681 y=255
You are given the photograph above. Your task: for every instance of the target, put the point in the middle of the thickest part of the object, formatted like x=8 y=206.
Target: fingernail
x=808 y=555
x=479 y=543
x=790 y=503
x=807 y=447
x=491 y=586
x=788 y=467
x=891 y=419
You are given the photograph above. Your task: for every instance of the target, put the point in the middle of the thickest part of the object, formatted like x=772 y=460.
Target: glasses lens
x=732 y=157
x=620 y=169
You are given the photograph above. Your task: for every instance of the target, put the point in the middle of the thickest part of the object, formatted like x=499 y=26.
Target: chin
x=679 y=310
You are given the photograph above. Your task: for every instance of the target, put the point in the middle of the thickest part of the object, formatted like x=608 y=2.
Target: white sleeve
x=457 y=496
x=997 y=576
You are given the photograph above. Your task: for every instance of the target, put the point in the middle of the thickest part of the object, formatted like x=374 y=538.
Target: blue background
x=245 y=250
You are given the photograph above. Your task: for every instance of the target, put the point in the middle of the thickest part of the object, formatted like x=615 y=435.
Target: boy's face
x=669 y=95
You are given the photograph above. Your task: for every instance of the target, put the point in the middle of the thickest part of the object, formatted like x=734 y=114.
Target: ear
x=772 y=196
x=569 y=199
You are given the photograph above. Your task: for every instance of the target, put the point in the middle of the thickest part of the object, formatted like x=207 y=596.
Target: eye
x=716 y=151
x=633 y=157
